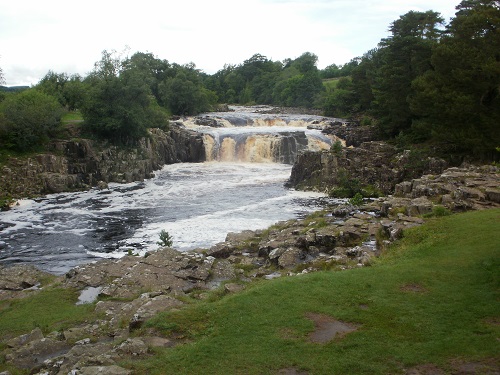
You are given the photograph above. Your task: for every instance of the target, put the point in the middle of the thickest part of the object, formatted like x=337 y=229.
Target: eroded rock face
x=376 y=164
x=352 y=133
x=84 y=163
x=458 y=189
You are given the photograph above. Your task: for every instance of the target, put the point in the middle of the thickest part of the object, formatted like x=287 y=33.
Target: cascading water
x=198 y=204
x=258 y=137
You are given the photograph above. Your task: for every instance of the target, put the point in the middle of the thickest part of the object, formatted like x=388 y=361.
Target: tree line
x=428 y=82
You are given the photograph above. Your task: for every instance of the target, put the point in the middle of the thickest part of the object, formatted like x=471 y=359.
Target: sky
x=69 y=36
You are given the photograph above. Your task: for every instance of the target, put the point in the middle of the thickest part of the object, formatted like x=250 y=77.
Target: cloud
x=37 y=36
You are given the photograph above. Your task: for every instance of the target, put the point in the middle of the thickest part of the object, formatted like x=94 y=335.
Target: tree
x=405 y=55
x=184 y=93
x=458 y=101
x=331 y=71
x=153 y=70
x=165 y=239
x=74 y=92
x=299 y=83
x=339 y=101
x=53 y=84
x=119 y=104
x=28 y=119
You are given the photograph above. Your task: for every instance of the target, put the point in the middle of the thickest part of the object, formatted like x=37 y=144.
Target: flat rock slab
x=327 y=328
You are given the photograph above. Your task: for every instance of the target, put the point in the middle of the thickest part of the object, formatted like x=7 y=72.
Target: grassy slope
x=52 y=309
x=432 y=299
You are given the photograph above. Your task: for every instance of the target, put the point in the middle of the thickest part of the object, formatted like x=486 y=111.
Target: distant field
x=330 y=83
x=73 y=116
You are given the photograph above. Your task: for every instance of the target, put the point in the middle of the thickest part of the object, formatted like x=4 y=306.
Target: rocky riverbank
x=81 y=163
x=375 y=165
x=133 y=289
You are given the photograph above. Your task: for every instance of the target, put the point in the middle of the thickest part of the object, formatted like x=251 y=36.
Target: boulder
x=20 y=277
x=233 y=288
x=152 y=307
x=493 y=194
x=25 y=339
x=419 y=206
x=36 y=352
x=291 y=257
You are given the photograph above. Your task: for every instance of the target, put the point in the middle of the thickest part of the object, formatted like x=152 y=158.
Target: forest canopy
x=428 y=82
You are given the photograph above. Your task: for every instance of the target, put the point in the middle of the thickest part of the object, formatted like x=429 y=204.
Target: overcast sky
x=68 y=36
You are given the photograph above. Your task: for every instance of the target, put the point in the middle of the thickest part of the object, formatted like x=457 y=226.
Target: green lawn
x=433 y=298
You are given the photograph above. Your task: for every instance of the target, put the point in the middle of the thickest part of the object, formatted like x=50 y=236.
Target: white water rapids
x=198 y=204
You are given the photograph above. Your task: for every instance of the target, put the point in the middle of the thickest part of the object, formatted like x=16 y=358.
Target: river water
x=198 y=204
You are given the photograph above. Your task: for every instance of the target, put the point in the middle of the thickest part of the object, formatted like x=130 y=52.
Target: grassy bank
x=431 y=299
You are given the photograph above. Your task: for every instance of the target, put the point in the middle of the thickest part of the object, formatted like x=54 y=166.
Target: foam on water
x=198 y=204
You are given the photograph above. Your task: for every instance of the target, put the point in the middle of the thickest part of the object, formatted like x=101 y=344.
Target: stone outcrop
x=352 y=133
x=80 y=164
x=458 y=189
x=375 y=164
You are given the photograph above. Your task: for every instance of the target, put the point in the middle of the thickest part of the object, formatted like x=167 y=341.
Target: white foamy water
x=198 y=204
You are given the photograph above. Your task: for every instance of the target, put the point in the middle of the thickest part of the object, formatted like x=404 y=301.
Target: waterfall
x=257 y=137
x=255 y=148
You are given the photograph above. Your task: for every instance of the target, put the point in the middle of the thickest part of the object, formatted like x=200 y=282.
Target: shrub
x=165 y=239
x=357 y=200
x=28 y=119
x=336 y=147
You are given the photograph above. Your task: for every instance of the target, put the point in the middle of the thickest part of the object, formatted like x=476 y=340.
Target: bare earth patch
x=488 y=366
x=291 y=371
x=327 y=328
x=415 y=288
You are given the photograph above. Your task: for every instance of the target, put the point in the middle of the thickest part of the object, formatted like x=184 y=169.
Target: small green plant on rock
x=357 y=200
x=165 y=239
x=336 y=148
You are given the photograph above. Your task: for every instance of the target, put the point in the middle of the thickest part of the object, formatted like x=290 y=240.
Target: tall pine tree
x=458 y=101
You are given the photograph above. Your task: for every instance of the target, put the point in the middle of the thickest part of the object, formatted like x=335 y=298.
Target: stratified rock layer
x=80 y=164
x=376 y=164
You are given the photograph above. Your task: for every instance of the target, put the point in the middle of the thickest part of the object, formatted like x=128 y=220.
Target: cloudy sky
x=68 y=36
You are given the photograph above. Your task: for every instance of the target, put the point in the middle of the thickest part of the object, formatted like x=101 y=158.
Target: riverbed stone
x=36 y=352
x=101 y=370
x=291 y=257
x=25 y=339
x=20 y=277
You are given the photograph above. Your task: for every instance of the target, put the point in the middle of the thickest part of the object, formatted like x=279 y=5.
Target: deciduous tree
x=27 y=119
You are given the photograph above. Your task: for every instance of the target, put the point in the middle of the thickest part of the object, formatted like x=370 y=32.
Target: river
x=198 y=204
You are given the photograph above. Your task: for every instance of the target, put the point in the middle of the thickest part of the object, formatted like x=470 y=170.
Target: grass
x=331 y=83
x=52 y=309
x=72 y=116
x=430 y=299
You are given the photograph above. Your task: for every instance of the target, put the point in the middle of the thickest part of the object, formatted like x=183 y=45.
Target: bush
x=336 y=148
x=28 y=119
x=357 y=200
